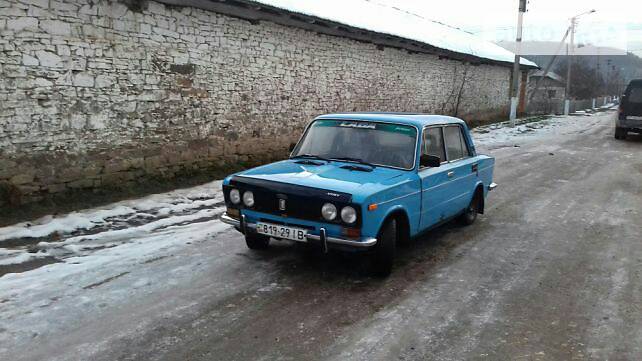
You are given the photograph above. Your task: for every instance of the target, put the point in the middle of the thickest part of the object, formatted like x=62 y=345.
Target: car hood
x=329 y=176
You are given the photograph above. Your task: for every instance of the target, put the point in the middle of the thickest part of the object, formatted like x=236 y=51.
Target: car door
x=462 y=170
x=437 y=188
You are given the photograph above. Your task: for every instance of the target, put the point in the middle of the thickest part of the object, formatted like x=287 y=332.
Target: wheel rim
x=472 y=209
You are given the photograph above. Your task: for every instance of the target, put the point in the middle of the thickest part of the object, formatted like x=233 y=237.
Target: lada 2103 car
x=363 y=182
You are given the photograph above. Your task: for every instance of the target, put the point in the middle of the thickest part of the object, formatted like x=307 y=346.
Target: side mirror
x=292 y=145
x=429 y=161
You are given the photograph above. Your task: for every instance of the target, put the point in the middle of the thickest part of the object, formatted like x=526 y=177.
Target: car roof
x=415 y=119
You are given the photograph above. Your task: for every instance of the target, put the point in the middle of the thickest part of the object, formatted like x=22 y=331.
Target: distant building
x=549 y=96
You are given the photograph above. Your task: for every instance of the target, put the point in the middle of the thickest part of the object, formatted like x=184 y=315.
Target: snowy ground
x=55 y=258
x=128 y=223
x=54 y=268
x=501 y=134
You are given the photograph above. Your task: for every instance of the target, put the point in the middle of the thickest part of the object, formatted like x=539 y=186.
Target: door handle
x=475 y=168
x=451 y=174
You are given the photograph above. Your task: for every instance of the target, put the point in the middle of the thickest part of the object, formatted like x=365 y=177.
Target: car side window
x=454 y=143
x=464 y=146
x=434 y=143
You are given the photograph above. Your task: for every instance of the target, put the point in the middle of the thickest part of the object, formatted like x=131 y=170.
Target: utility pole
x=597 y=78
x=570 y=52
x=549 y=66
x=569 y=64
x=607 y=78
x=515 y=86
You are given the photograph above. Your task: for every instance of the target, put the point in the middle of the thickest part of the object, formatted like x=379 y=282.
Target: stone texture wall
x=99 y=94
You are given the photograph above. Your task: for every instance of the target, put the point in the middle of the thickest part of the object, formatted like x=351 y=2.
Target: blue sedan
x=363 y=182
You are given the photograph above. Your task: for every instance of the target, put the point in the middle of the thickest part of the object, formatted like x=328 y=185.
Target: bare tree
x=586 y=83
x=453 y=101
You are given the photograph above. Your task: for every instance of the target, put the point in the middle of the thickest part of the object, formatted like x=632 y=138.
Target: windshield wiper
x=310 y=156
x=356 y=160
x=357 y=168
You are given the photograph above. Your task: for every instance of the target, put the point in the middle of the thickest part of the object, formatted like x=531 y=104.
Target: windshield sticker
x=358 y=125
x=393 y=128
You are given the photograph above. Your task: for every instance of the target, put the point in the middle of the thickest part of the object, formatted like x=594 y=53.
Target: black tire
x=383 y=254
x=620 y=133
x=257 y=241
x=470 y=214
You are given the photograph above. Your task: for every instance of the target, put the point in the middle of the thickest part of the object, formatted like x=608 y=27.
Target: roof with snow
x=550 y=75
x=366 y=20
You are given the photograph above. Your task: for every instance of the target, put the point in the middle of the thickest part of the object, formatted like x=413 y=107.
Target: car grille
x=300 y=202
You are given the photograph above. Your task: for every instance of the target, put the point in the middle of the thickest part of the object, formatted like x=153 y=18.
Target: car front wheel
x=384 y=251
x=620 y=133
x=257 y=241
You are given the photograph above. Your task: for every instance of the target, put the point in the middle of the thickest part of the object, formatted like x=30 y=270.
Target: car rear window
x=635 y=94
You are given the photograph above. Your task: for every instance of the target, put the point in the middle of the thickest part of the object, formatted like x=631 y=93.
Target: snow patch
x=166 y=203
x=369 y=15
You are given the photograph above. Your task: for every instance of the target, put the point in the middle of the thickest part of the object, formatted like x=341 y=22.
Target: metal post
x=515 y=86
x=550 y=65
x=567 y=101
x=570 y=53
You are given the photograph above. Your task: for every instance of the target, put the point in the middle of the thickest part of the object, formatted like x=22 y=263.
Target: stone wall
x=98 y=93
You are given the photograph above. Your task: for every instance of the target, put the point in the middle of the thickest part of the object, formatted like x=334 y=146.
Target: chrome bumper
x=492 y=186
x=366 y=243
x=231 y=221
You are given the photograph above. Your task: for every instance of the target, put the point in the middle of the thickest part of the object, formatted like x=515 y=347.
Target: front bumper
x=321 y=237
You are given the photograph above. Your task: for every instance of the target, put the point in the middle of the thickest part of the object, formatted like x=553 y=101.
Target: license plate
x=277 y=231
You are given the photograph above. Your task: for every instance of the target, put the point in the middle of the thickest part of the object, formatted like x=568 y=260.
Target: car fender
x=477 y=185
x=395 y=209
x=484 y=194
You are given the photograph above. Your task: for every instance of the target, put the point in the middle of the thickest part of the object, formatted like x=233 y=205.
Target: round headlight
x=349 y=215
x=248 y=198
x=329 y=211
x=235 y=196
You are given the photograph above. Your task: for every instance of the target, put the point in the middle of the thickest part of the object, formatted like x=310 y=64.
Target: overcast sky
x=617 y=23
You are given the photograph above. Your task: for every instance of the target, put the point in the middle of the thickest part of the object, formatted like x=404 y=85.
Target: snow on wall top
x=382 y=19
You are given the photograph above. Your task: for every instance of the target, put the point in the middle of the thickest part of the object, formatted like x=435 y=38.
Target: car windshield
x=381 y=144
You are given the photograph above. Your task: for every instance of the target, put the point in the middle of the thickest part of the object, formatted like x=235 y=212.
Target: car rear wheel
x=384 y=251
x=257 y=241
x=620 y=133
x=470 y=214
